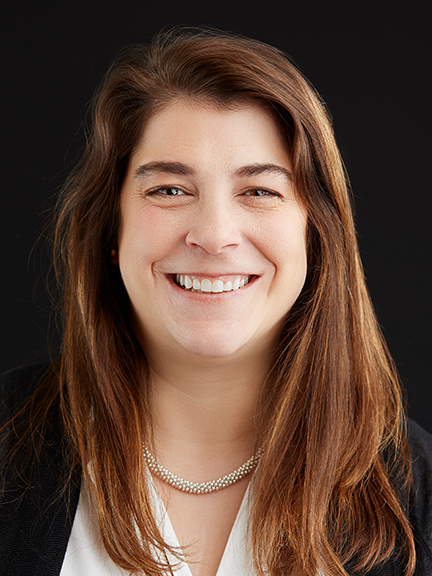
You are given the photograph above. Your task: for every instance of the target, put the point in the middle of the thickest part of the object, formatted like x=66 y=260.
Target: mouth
x=191 y=283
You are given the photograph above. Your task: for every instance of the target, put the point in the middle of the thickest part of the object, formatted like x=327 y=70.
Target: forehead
x=200 y=130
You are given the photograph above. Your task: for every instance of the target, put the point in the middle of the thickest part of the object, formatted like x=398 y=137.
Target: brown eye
x=261 y=192
x=167 y=191
x=171 y=191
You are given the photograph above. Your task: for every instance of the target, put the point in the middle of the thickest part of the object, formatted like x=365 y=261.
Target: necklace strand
x=201 y=487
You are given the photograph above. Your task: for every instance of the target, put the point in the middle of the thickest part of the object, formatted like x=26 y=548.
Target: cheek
x=291 y=264
x=282 y=239
x=148 y=235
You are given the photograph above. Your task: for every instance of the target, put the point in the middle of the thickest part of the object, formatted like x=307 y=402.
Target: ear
x=114 y=256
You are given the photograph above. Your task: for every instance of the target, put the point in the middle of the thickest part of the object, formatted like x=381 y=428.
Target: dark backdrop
x=371 y=65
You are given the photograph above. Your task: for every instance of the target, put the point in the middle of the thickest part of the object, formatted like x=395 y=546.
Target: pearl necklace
x=201 y=487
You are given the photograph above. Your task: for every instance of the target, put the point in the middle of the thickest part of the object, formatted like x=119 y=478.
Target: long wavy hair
x=329 y=488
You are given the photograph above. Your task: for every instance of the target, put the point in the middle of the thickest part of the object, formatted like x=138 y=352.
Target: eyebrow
x=180 y=169
x=177 y=168
x=256 y=169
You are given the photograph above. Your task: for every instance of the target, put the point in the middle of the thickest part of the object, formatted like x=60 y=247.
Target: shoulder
x=23 y=396
x=18 y=389
x=420 y=444
x=17 y=385
x=22 y=376
x=39 y=490
x=420 y=510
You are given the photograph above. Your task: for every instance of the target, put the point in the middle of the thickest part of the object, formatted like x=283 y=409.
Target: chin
x=213 y=347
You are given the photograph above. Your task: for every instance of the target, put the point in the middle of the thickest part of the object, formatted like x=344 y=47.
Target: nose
x=215 y=228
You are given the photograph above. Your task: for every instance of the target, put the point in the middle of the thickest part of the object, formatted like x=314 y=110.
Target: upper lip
x=226 y=277
x=213 y=274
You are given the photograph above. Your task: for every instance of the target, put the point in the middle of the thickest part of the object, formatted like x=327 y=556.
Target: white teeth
x=217 y=286
x=208 y=286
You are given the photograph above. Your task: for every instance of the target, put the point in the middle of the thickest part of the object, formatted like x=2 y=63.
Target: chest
x=214 y=543
x=203 y=524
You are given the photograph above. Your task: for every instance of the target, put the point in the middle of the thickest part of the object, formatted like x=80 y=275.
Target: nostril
x=214 y=230
x=213 y=242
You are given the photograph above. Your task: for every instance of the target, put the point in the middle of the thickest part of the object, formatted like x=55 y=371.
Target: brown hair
x=329 y=487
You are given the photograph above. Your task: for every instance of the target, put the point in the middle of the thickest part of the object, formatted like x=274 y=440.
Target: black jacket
x=35 y=526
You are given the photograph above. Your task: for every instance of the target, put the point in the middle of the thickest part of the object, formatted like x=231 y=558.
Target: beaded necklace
x=201 y=487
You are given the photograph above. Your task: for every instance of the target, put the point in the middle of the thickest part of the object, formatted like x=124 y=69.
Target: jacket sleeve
x=420 y=443
x=36 y=512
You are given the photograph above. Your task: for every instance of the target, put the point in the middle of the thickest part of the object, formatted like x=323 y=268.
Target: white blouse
x=86 y=555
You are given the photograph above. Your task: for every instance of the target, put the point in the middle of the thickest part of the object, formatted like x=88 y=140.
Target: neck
x=206 y=408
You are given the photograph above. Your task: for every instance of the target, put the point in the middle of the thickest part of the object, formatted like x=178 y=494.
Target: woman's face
x=211 y=245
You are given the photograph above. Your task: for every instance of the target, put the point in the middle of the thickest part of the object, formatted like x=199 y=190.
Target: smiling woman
x=224 y=402
x=233 y=218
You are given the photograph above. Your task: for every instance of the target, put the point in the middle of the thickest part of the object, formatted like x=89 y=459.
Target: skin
x=208 y=193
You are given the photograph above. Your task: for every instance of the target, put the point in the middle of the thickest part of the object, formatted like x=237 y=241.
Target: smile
x=206 y=286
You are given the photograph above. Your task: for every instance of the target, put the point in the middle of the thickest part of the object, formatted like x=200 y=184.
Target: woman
x=215 y=319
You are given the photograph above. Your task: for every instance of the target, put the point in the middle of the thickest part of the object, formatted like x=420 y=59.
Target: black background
x=372 y=65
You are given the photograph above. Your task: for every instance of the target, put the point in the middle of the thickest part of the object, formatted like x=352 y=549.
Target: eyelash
x=262 y=192
x=255 y=192
x=164 y=189
x=266 y=193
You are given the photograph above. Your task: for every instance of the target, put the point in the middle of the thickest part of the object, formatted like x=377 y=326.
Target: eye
x=261 y=192
x=167 y=191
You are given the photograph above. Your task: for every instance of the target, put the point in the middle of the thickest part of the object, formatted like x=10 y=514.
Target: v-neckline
x=236 y=558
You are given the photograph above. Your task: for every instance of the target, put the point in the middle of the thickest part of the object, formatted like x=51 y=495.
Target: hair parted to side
x=336 y=461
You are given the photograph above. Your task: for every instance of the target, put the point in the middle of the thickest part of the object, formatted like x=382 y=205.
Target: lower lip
x=212 y=296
